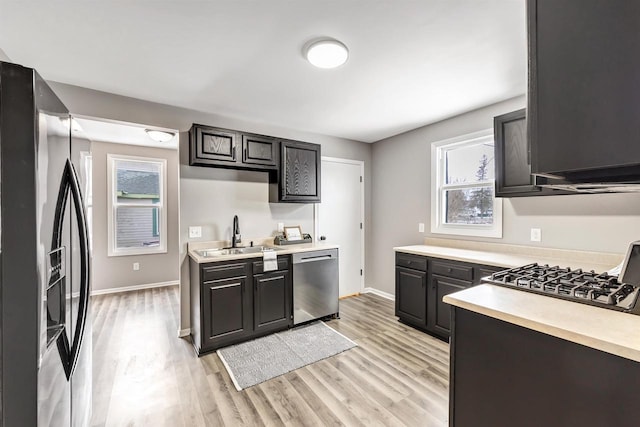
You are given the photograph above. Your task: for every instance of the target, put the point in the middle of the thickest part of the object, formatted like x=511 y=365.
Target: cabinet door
x=439 y=318
x=513 y=159
x=300 y=172
x=259 y=151
x=227 y=312
x=584 y=75
x=272 y=301
x=213 y=147
x=411 y=296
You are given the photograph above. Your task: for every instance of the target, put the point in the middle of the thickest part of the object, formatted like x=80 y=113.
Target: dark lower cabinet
x=233 y=301
x=439 y=312
x=502 y=374
x=272 y=301
x=411 y=294
x=227 y=312
x=422 y=282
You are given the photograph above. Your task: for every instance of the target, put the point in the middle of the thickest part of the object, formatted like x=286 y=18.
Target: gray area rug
x=259 y=360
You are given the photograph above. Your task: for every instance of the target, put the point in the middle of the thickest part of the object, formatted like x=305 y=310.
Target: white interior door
x=340 y=218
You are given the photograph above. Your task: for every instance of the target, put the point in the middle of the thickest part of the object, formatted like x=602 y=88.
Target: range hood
x=603 y=180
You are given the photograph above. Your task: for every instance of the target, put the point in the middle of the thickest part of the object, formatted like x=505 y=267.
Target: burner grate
x=587 y=287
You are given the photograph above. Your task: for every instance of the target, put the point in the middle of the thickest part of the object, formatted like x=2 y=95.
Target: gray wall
x=401 y=199
x=116 y=272
x=210 y=197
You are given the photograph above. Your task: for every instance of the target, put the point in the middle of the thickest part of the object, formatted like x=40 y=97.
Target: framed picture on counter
x=293 y=233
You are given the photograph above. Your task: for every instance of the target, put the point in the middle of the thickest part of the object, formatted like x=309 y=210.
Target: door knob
x=323 y=237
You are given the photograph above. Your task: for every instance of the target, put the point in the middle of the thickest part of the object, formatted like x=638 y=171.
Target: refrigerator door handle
x=85 y=267
x=70 y=184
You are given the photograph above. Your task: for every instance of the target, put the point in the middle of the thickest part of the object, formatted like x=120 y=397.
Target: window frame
x=438 y=189
x=113 y=205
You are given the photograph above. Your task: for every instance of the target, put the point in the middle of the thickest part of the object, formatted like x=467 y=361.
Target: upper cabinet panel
x=259 y=150
x=227 y=148
x=299 y=173
x=584 y=87
x=212 y=146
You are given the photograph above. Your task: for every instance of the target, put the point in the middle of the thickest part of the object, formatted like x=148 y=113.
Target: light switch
x=421 y=227
x=136 y=266
x=195 y=232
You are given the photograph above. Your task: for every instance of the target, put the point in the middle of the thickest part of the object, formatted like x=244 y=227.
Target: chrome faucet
x=236 y=237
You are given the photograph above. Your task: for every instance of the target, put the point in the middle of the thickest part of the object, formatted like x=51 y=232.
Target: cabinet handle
x=235 y=149
x=244 y=155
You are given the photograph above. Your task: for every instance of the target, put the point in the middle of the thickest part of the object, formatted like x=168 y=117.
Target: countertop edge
x=283 y=250
x=592 y=341
x=498 y=259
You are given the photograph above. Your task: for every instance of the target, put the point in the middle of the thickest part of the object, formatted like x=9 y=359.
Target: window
x=462 y=187
x=137 y=217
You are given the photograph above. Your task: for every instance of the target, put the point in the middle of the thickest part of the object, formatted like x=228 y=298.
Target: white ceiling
x=411 y=62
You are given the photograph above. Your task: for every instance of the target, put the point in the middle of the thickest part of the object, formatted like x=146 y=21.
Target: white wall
x=401 y=199
x=111 y=273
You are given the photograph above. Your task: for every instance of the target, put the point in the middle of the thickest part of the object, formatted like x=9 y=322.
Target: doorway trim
x=316 y=215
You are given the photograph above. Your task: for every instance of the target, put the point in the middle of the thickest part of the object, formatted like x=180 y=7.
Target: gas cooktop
x=587 y=287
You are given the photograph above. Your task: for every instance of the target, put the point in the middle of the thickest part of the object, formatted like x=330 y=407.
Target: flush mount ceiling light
x=326 y=53
x=160 y=135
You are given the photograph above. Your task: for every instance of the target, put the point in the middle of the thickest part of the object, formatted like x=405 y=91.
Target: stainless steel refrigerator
x=44 y=257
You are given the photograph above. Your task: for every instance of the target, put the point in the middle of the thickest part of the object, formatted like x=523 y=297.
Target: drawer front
x=223 y=271
x=457 y=271
x=283 y=264
x=415 y=262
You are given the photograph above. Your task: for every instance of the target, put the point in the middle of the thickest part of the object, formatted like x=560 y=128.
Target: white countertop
x=606 y=330
x=282 y=250
x=509 y=256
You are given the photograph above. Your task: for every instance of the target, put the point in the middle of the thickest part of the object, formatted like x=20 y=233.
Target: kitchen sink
x=234 y=251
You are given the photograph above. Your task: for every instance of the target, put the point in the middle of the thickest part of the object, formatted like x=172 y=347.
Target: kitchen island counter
x=610 y=331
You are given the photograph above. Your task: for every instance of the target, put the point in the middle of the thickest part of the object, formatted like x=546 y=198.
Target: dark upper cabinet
x=513 y=158
x=584 y=87
x=299 y=175
x=209 y=146
x=212 y=146
x=259 y=150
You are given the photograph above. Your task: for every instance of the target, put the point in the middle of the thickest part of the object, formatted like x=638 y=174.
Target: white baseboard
x=378 y=292
x=134 y=288
x=184 y=332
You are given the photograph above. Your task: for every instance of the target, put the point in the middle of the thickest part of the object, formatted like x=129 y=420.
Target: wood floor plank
x=144 y=375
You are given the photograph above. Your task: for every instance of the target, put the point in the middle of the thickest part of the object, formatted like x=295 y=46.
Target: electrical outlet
x=421 y=227
x=136 y=266
x=536 y=235
x=195 y=232
x=280 y=227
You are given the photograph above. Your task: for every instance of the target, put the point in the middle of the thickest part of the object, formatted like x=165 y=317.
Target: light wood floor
x=145 y=376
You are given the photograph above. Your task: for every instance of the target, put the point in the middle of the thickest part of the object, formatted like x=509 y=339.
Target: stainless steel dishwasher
x=315 y=285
